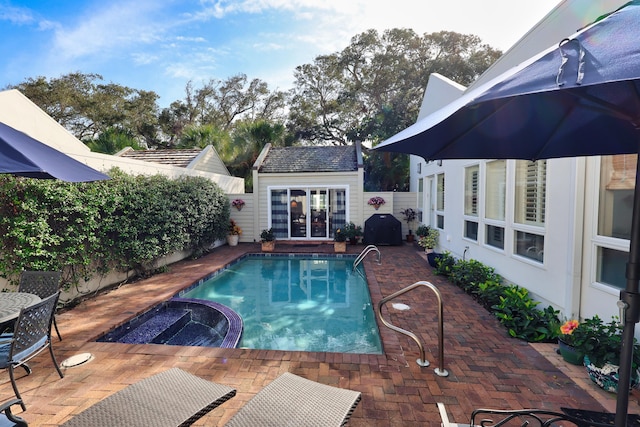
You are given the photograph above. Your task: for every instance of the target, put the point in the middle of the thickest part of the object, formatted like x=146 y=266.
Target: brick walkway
x=487 y=369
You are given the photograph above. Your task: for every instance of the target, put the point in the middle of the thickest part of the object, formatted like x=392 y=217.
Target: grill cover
x=382 y=229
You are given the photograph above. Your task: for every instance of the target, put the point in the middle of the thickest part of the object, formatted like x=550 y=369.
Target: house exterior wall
x=245 y=217
x=402 y=201
x=263 y=183
x=556 y=280
x=209 y=161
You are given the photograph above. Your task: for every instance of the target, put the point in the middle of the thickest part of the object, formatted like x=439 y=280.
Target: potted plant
x=429 y=242
x=352 y=232
x=268 y=239
x=422 y=230
x=234 y=233
x=376 y=202
x=570 y=340
x=409 y=215
x=238 y=204
x=601 y=345
x=339 y=241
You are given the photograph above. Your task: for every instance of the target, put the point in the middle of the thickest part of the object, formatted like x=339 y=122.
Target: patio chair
x=7 y=418
x=31 y=336
x=290 y=400
x=43 y=284
x=536 y=418
x=171 y=398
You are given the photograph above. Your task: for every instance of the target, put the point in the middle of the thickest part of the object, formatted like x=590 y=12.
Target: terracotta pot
x=268 y=246
x=340 y=246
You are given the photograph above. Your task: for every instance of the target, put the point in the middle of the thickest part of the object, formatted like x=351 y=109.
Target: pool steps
x=164 y=322
x=182 y=321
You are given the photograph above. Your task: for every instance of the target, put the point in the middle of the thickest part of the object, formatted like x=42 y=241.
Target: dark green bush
x=123 y=223
x=467 y=274
x=512 y=305
x=519 y=314
x=445 y=264
x=488 y=293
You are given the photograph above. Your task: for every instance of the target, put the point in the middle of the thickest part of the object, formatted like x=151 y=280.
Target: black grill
x=382 y=229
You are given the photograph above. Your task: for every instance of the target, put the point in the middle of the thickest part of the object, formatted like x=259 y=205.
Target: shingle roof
x=180 y=158
x=310 y=159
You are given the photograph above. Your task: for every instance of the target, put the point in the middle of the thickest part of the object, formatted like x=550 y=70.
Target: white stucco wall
x=556 y=280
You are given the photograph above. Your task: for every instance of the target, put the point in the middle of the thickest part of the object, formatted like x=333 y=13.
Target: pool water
x=293 y=303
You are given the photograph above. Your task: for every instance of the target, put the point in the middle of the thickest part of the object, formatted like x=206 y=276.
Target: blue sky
x=159 y=45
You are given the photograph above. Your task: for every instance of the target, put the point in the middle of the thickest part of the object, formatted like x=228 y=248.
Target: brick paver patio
x=487 y=369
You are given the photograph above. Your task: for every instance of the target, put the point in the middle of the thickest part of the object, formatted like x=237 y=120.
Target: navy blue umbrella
x=23 y=155
x=580 y=98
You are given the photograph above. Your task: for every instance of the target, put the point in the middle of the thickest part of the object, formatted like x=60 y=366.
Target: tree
x=248 y=139
x=87 y=108
x=222 y=103
x=111 y=141
x=201 y=136
x=373 y=89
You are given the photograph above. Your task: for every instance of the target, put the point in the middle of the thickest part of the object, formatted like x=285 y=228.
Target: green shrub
x=519 y=314
x=445 y=264
x=467 y=274
x=488 y=293
x=422 y=230
x=511 y=304
x=123 y=223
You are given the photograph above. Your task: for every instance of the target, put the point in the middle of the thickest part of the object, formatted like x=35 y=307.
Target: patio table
x=12 y=302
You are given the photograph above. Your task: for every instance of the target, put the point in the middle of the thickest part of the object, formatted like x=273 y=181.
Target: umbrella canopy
x=579 y=98
x=22 y=155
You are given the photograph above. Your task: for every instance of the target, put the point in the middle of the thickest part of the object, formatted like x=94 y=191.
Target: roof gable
x=310 y=159
x=181 y=158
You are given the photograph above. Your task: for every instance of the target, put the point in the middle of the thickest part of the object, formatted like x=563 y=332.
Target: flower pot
x=432 y=258
x=570 y=354
x=607 y=376
x=340 y=246
x=376 y=207
x=268 y=246
x=353 y=241
x=232 y=239
x=239 y=207
x=410 y=238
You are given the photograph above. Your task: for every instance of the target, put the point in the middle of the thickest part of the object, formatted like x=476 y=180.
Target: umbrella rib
x=600 y=105
x=468 y=130
x=550 y=136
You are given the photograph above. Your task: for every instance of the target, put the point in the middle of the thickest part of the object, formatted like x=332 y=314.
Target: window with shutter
x=530 y=209
x=531 y=191
x=495 y=202
x=440 y=201
x=471 y=194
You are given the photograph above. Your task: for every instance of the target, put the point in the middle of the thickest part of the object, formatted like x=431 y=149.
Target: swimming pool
x=297 y=302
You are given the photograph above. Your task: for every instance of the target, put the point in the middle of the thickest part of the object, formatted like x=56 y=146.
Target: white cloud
x=141 y=58
x=114 y=26
x=16 y=15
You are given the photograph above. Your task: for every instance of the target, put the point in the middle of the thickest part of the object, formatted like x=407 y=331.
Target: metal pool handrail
x=364 y=253
x=440 y=371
